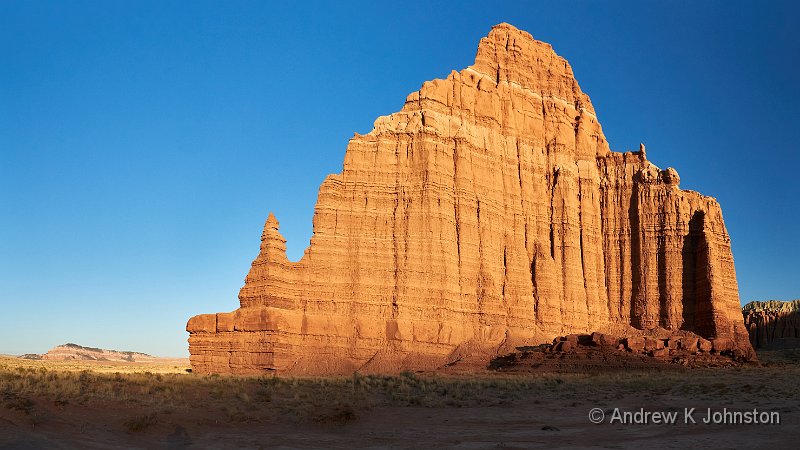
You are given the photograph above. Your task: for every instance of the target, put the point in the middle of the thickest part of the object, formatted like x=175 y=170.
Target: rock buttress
x=488 y=212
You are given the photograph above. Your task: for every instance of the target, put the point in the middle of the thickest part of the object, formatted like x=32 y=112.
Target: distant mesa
x=488 y=213
x=75 y=352
x=773 y=324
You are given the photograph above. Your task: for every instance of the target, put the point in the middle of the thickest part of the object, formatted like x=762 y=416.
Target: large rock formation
x=489 y=212
x=75 y=352
x=773 y=323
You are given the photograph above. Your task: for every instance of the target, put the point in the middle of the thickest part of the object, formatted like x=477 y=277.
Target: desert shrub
x=141 y=423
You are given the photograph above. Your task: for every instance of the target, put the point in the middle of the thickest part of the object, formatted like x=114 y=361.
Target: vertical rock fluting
x=488 y=212
x=773 y=324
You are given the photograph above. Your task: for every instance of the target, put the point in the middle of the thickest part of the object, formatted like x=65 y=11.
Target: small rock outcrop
x=773 y=323
x=488 y=213
x=587 y=353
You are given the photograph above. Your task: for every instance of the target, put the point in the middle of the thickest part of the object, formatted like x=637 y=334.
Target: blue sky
x=142 y=144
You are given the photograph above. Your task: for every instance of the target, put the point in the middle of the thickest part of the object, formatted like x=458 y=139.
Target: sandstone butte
x=773 y=323
x=489 y=212
x=68 y=352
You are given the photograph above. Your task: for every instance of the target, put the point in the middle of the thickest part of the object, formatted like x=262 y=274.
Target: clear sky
x=142 y=144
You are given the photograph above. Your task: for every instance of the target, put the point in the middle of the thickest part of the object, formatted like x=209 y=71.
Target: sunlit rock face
x=487 y=213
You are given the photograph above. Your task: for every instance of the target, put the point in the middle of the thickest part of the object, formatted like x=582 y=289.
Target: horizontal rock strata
x=489 y=212
x=74 y=352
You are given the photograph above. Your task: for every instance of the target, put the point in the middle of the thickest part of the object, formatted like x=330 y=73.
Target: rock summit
x=488 y=213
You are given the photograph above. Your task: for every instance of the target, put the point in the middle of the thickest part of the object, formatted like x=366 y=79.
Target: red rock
x=75 y=352
x=609 y=341
x=704 y=345
x=634 y=344
x=673 y=343
x=689 y=343
x=489 y=212
x=204 y=323
x=651 y=344
x=720 y=345
x=565 y=346
x=603 y=340
x=660 y=352
x=773 y=321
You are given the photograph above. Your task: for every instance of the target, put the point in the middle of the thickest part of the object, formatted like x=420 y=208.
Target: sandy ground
x=162 y=365
x=75 y=407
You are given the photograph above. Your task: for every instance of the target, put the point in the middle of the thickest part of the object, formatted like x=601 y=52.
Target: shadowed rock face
x=488 y=213
x=773 y=323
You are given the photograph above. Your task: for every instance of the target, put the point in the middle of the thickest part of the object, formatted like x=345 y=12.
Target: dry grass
x=33 y=387
x=163 y=366
x=82 y=405
x=141 y=423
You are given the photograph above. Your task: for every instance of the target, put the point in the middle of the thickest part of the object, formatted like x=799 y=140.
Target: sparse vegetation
x=141 y=423
x=153 y=400
x=339 y=399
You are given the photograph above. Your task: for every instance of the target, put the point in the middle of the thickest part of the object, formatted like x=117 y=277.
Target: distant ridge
x=75 y=352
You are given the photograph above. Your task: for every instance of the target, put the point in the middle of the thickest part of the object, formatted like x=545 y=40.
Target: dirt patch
x=491 y=408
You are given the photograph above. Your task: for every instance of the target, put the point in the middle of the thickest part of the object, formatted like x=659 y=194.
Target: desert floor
x=54 y=405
